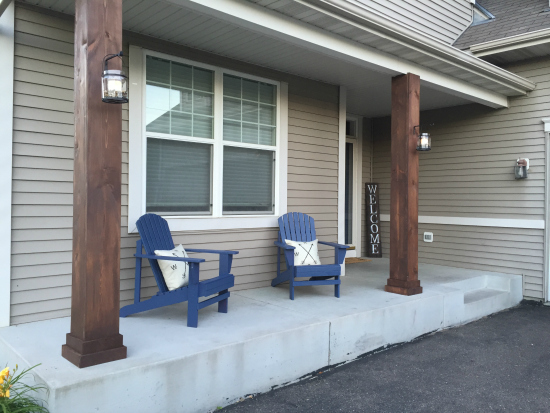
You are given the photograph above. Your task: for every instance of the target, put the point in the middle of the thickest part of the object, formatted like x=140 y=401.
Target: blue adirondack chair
x=300 y=227
x=155 y=235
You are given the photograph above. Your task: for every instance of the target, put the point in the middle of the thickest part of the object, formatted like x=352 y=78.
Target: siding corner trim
x=7 y=31
x=546 y=279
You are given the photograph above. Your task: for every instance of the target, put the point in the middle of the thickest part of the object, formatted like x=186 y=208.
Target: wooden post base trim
x=403 y=291
x=396 y=282
x=87 y=360
x=94 y=346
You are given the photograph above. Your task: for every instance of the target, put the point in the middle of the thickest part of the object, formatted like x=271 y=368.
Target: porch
x=265 y=340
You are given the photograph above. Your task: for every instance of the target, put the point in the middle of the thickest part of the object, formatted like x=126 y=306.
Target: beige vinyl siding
x=43 y=172
x=442 y=19
x=469 y=173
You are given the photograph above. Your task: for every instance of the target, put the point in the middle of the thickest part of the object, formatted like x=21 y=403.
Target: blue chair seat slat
x=317 y=282
x=155 y=235
x=297 y=226
x=215 y=285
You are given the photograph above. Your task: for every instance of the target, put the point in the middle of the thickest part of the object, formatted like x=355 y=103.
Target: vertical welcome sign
x=374 y=243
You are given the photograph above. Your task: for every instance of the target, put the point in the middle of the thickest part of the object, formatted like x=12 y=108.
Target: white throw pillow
x=306 y=253
x=175 y=273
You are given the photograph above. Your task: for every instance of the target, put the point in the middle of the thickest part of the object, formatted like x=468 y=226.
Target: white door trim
x=357 y=183
x=7 y=20
x=342 y=166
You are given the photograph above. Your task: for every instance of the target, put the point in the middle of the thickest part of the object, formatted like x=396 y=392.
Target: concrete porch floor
x=264 y=341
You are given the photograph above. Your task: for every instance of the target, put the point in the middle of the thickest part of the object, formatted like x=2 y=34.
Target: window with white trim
x=211 y=141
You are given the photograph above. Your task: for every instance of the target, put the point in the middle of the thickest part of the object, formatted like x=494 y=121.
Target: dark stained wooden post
x=94 y=336
x=405 y=115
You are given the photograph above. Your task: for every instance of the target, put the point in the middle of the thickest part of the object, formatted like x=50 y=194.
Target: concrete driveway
x=498 y=364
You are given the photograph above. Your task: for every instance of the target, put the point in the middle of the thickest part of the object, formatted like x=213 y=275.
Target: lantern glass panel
x=424 y=142
x=114 y=87
x=520 y=172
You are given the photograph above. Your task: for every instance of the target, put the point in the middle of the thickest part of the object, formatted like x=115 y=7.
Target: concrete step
x=470 y=284
x=484 y=301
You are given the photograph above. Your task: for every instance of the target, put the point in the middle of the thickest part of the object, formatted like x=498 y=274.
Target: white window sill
x=216 y=223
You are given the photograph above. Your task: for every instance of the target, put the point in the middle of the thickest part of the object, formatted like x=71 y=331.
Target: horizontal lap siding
x=43 y=173
x=469 y=173
x=43 y=151
x=313 y=160
x=442 y=19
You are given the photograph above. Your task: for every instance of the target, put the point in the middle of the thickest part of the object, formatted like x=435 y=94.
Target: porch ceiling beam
x=95 y=301
x=405 y=115
x=271 y=23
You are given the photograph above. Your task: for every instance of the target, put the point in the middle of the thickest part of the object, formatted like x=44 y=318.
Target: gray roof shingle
x=512 y=17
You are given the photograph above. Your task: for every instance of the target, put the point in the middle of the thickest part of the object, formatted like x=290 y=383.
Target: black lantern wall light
x=521 y=168
x=114 y=83
x=424 y=140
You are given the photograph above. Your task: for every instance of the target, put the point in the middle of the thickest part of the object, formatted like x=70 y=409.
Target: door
x=352 y=187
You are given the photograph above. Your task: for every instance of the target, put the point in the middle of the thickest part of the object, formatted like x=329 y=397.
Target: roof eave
x=506 y=44
x=419 y=41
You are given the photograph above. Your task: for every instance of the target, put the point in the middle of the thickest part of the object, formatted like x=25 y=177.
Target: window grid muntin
x=258 y=103
x=193 y=89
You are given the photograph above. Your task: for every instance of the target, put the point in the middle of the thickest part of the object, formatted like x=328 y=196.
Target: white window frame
x=138 y=141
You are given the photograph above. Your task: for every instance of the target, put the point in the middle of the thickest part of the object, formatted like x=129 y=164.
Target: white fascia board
x=6 y=126
x=357 y=14
x=271 y=23
x=511 y=43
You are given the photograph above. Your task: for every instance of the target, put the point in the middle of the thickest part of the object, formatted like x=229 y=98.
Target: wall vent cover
x=428 y=237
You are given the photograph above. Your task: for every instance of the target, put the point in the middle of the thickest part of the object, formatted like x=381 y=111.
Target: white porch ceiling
x=368 y=89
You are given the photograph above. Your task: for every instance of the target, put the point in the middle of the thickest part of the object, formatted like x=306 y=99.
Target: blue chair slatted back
x=296 y=226
x=155 y=235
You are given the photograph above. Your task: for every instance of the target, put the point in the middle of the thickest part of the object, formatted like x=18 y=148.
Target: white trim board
x=477 y=222
x=137 y=161
x=7 y=20
x=342 y=166
x=546 y=280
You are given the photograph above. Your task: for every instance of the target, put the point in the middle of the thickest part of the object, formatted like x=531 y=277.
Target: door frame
x=357 y=184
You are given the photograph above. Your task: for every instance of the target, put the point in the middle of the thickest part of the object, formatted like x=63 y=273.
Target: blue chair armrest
x=226 y=258
x=162 y=257
x=288 y=251
x=339 y=251
x=332 y=244
x=212 y=251
x=284 y=245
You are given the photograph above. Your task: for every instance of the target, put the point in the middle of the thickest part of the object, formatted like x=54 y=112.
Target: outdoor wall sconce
x=424 y=142
x=114 y=83
x=521 y=168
